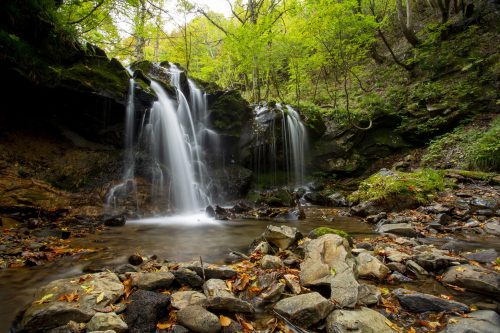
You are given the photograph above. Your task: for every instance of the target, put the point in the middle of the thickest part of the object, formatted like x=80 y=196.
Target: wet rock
x=361 y=320
x=181 y=299
x=364 y=245
x=365 y=208
x=115 y=221
x=434 y=209
x=153 y=280
x=482 y=321
x=277 y=198
x=368 y=294
x=416 y=268
x=210 y=211
x=282 y=237
x=221 y=214
x=273 y=293
x=374 y=219
x=395 y=255
x=271 y=262
x=199 y=320
x=211 y=271
x=219 y=298
x=483 y=203
x=186 y=276
x=52 y=313
x=484 y=212
x=492 y=226
x=306 y=309
x=397 y=267
x=433 y=259
x=484 y=256
x=135 y=260
x=328 y=262
x=443 y=219
x=262 y=247
x=473 y=278
x=145 y=309
x=293 y=283
x=419 y=302
x=317 y=198
x=398 y=277
x=369 y=266
x=338 y=200
x=125 y=268
x=107 y=321
x=401 y=229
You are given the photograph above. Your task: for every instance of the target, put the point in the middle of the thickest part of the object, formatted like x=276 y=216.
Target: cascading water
x=171 y=139
x=281 y=145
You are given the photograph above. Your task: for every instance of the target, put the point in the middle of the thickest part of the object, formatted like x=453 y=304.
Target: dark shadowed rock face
x=146 y=308
x=419 y=302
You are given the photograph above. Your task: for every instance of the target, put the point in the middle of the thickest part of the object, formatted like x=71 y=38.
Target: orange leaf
x=127 y=284
x=73 y=297
x=224 y=321
x=163 y=326
x=412 y=330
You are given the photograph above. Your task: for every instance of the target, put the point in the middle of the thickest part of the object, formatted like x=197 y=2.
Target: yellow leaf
x=224 y=321
x=384 y=291
x=473 y=307
x=99 y=298
x=44 y=299
x=88 y=289
x=392 y=325
x=452 y=321
x=163 y=326
x=412 y=330
x=460 y=269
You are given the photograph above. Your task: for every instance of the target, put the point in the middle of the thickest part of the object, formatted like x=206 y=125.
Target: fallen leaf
x=163 y=326
x=99 y=298
x=457 y=288
x=127 y=284
x=73 y=297
x=88 y=289
x=333 y=271
x=412 y=330
x=449 y=298
x=224 y=321
x=44 y=299
x=392 y=325
x=452 y=321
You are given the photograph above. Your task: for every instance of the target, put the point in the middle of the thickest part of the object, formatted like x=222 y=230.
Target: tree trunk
x=406 y=23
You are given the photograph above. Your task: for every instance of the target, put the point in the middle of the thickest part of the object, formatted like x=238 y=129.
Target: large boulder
x=361 y=320
x=52 y=308
x=283 y=236
x=474 y=278
x=419 y=302
x=145 y=309
x=328 y=262
x=306 y=309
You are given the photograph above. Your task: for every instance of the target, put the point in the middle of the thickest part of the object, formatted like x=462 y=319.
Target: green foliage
x=421 y=185
x=469 y=148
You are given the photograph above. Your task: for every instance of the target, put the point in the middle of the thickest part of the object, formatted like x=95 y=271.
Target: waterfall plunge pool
x=174 y=238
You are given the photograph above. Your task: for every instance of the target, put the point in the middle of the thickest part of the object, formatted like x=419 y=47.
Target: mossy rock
x=318 y=232
x=276 y=198
x=228 y=113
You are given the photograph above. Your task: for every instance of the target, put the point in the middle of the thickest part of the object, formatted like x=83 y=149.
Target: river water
x=178 y=238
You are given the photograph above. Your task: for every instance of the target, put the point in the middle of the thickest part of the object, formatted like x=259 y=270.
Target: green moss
x=229 y=113
x=477 y=175
x=318 y=232
x=484 y=153
x=420 y=185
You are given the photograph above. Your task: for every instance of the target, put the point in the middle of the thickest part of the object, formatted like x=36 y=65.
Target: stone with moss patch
x=318 y=232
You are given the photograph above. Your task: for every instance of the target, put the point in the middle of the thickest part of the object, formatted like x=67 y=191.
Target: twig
x=202 y=269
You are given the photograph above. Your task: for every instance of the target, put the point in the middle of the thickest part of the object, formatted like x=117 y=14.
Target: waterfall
x=281 y=145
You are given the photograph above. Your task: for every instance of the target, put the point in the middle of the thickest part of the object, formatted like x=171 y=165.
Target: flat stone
x=181 y=299
x=185 y=276
x=473 y=278
x=328 y=262
x=273 y=293
x=492 y=226
x=146 y=308
x=419 y=302
x=484 y=256
x=363 y=320
x=283 y=236
x=152 y=280
x=219 y=298
x=416 y=268
x=395 y=255
x=368 y=294
x=107 y=321
x=271 y=262
x=482 y=321
x=369 y=266
x=52 y=313
x=401 y=229
x=484 y=203
x=211 y=271
x=306 y=309
x=199 y=320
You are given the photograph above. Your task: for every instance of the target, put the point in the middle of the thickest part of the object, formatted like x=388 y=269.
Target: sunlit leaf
x=99 y=298
x=44 y=299
x=224 y=321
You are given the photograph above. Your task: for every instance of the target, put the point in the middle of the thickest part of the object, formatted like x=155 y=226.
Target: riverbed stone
x=271 y=262
x=293 y=283
x=219 y=298
x=395 y=255
x=433 y=259
x=492 y=226
x=473 y=278
x=374 y=219
x=483 y=256
x=369 y=266
x=198 y=319
x=48 y=312
x=186 y=276
x=482 y=321
x=211 y=271
x=400 y=229
x=420 y=302
x=181 y=299
x=152 y=280
x=145 y=309
x=281 y=236
x=107 y=321
x=306 y=309
x=363 y=320
x=368 y=294
x=328 y=262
